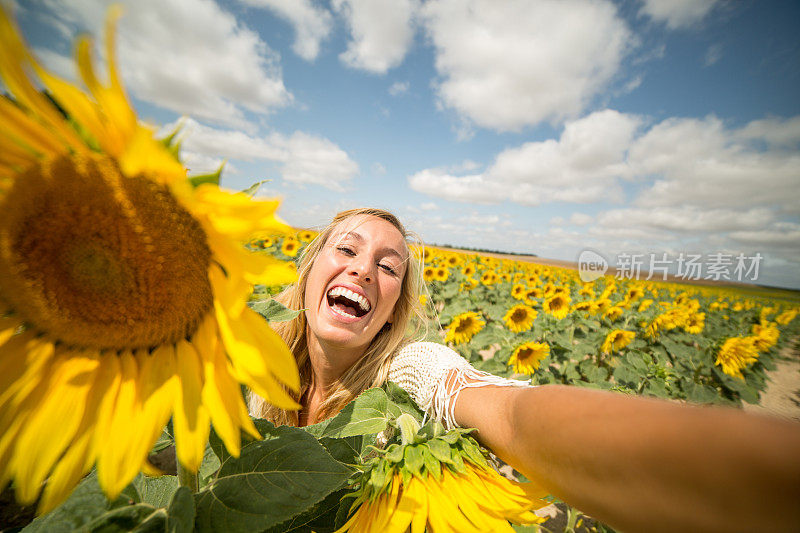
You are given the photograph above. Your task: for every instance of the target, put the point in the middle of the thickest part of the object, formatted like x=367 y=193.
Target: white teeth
x=362 y=302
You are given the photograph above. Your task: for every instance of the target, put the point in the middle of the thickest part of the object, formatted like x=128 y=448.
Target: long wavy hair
x=371 y=370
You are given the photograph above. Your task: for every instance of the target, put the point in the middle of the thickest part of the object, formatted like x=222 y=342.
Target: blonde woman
x=637 y=464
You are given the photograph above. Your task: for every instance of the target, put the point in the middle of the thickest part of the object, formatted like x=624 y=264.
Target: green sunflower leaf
x=273 y=310
x=181 y=511
x=369 y=413
x=86 y=503
x=213 y=178
x=251 y=190
x=156 y=491
x=413 y=459
x=272 y=481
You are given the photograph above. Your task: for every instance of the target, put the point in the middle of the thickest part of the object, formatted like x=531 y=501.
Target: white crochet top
x=434 y=375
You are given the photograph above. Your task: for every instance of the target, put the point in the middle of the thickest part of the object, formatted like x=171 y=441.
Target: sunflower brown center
x=465 y=325
x=94 y=259
x=524 y=354
x=519 y=315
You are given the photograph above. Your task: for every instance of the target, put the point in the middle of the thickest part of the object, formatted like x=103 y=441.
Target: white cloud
x=429 y=206
x=687 y=219
x=381 y=32
x=678 y=162
x=580 y=219
x=776 y=237
x=677 y=13
x=188 y=56
x=704 y=163
x=475 y=220
x=398 y=88
x=312 y=24
x=775 y=132
x=582 y=166
x=304 y=158
x=507 y=65
x=314 y=160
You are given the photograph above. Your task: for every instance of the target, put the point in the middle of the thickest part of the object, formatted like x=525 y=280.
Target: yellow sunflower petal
x=12 y=53
x=111 y=99
x=80 y=455
x=23 y=129
x=158 y=388
x=61 y=407
x=116 y=465
x=190 y=419
x=144 y=155
x=255 y=349
x=222 y=397
x=230 y=292
x=111 y=372
x=210 y=349
x=23 y=366
x=236 y=215
x=254 y=268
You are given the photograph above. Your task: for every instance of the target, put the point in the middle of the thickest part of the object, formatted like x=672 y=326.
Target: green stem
x=187 y=478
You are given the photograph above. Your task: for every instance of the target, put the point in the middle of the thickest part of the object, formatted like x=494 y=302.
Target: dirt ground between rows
x=782 y=397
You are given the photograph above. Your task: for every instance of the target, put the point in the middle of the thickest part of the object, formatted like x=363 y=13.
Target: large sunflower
x=528 y=356
x=520 y=318
x=123 y=289
x=736 y=354
x=557 y=305
x=617 y=340
x=464 y=327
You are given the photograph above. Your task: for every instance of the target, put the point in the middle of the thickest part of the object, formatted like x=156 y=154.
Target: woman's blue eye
x=388 y=269
x=346 y=250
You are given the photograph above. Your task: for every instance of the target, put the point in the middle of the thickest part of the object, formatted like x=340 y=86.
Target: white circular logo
x=591 y=266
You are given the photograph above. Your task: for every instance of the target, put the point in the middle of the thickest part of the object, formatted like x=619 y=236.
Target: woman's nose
x=362 y=269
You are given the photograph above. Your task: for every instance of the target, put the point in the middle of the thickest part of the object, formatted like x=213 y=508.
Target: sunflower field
x=518 y=319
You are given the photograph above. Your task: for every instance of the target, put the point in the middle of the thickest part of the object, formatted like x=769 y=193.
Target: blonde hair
x=371 y=370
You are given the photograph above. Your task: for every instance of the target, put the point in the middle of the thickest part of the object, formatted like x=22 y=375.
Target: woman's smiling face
x=355 y=282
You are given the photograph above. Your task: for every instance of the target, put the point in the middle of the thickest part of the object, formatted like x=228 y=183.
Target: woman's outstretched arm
x=644 y=465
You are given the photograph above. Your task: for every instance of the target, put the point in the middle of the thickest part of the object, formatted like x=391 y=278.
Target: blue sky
x=638 y=126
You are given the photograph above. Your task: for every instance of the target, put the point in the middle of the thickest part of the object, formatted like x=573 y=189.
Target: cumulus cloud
x=676 y=162
x=677 y=13
x=687 y=218
x=381 y=32
x=507 y=65
x=304 y=158
x=580 y=219
x=705 y=163
x=582 y=166
x=188 y=56
x=312 y=24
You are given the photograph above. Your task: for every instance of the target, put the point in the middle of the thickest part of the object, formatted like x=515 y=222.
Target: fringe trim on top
x=434 y=376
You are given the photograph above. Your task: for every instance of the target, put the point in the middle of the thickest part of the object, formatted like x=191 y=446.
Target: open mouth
x=348 y=303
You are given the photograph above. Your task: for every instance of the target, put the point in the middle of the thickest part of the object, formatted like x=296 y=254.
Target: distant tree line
x=484 y=250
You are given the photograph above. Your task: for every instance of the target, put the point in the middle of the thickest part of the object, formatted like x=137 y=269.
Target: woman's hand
x=644 y=465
